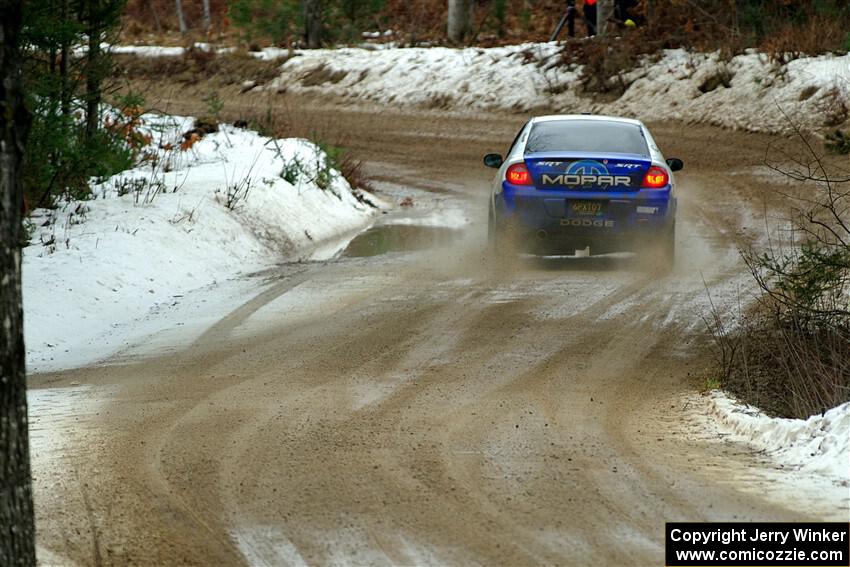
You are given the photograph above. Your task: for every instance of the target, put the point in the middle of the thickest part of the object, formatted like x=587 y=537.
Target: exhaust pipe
x=542 y=234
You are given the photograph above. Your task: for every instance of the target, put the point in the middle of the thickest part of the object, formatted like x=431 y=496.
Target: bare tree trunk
x=312 y=23
x=604 y=12
x=17 y=527
x=64 y=55
x=206 y=6
x=93 y=68
x=181 y=18
x=460 y=20
x=736 y=23
x=155 y=14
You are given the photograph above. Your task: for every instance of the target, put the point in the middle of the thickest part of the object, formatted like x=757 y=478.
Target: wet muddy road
x=405 y=404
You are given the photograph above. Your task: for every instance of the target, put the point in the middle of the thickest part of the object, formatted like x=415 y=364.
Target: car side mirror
x=675 y=164
x=493 y=160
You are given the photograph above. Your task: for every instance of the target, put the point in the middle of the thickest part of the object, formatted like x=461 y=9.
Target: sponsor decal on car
x=586 y=173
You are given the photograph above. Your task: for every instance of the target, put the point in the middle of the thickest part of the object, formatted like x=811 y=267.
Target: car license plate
x=586 y=208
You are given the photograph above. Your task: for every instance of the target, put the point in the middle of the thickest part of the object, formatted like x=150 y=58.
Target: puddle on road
x=400 y=238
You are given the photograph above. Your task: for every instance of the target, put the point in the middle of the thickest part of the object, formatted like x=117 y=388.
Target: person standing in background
x=589 y=13
x=621 y=11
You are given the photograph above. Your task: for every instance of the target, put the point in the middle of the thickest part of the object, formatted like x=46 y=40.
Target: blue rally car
x=576 y=181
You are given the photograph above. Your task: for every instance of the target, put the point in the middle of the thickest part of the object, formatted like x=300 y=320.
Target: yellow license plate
x=586 y=208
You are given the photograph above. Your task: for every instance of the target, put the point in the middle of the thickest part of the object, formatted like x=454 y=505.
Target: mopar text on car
x=577 y=181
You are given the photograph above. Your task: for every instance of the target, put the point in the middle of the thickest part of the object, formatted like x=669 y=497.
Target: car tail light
x=656 y=178
x=518 y=174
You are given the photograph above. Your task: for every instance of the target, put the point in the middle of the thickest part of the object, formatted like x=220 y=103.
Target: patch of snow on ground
x=802 y=465
x=819 y=445
x=143 y=50
x=438 y=77
x=266 y=546
x=153 y=234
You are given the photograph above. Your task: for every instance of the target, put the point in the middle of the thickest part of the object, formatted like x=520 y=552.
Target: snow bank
x=152 y=234
x=513 y=77
x=819 y=445
x=528 y=77
x=745 y=92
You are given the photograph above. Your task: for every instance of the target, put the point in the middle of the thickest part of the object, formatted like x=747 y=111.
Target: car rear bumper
x=560 y=222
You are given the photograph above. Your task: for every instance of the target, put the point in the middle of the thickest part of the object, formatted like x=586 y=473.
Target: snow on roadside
x=744 y=92
x=818 y=445
x=528 y=77
x=153 y=234
x=802 y=461
x=513 y=77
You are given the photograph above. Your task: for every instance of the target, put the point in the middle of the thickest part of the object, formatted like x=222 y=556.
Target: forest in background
x=810 y=26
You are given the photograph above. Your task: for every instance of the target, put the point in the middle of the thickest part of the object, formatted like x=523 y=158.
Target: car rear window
x=586 y=136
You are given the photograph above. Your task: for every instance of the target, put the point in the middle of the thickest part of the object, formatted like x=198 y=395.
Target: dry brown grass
x=784 y=367
x=819 y=34
x=322 y=75
x=605 y=62
x=351 y=169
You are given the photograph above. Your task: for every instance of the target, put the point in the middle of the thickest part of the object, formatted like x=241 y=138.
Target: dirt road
x=416 y=408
